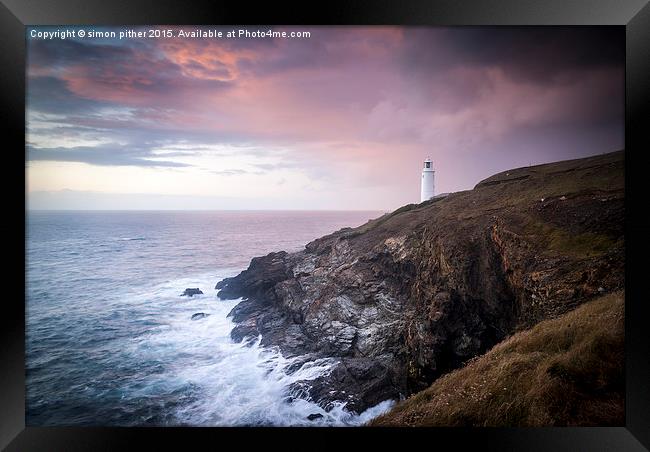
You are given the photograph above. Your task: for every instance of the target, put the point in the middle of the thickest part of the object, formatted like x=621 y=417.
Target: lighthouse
x=426 y=189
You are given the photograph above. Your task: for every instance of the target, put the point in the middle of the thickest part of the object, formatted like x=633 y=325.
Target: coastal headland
x=417 y=293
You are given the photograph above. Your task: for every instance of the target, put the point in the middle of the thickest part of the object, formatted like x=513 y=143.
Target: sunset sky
x=340 y=120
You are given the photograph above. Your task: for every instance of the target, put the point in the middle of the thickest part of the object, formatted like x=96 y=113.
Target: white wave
x=234 y=383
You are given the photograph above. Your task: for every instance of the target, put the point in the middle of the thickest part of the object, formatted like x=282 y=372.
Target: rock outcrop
x=416 y=293
x=199 y=316
x=189 y=292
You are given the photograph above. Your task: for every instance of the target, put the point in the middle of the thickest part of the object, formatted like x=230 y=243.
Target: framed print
x=426 y=218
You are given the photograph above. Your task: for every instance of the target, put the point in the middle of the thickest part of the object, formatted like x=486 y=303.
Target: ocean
x=110 y=341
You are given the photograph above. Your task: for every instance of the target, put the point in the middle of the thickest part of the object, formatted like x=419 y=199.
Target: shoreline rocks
x=190 y=292
x=199 y=316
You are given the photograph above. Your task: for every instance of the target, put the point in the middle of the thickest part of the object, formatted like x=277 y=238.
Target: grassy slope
x=515 y=192
x=564 y=371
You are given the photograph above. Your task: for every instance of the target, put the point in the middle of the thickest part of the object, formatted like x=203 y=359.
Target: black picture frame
x=634 y=15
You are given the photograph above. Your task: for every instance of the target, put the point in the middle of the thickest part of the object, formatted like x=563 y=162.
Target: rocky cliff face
x=414 y=294
x=565 y=371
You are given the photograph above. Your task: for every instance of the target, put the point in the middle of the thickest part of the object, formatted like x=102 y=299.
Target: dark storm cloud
x=49 y=94
x=70 y=73
x=455 y=67
x=56 y=53
x=536 y=54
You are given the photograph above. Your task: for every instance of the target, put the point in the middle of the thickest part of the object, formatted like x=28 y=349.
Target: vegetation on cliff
x=566 y=371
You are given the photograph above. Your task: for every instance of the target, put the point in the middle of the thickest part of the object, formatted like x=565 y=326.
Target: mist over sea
x=110 y=341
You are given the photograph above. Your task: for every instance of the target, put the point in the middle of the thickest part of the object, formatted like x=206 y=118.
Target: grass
x=566 y=371
x=381 y=220
x=587 y=244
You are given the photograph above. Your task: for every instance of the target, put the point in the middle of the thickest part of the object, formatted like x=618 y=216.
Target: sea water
x=110 y=341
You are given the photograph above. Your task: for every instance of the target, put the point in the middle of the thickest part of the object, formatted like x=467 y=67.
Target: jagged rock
x=191 y=292
x=358 y=382
x=314 y=416
x=248 y=283
x=244 y=330
x=199 y=315
x=414 y=294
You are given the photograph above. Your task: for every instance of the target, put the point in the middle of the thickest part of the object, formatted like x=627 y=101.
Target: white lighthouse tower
x=426 y=190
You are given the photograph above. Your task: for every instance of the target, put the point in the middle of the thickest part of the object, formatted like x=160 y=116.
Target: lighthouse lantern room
x=426 y=190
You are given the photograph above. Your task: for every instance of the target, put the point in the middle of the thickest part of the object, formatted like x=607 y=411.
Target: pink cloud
x=364 y=105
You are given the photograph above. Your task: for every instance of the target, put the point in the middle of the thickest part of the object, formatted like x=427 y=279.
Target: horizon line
x=208 y=210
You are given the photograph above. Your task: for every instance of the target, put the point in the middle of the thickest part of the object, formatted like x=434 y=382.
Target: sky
x=339 y=120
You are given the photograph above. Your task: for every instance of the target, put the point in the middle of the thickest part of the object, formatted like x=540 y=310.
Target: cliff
x=567 y=371
x=416 y=293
